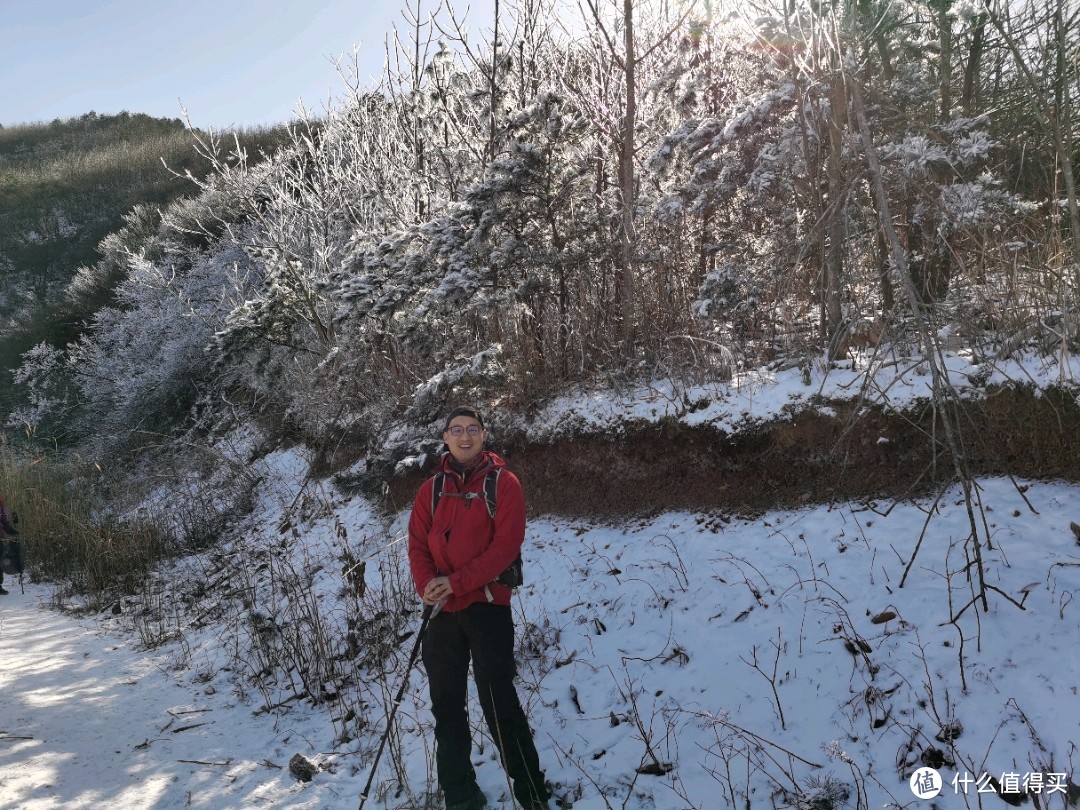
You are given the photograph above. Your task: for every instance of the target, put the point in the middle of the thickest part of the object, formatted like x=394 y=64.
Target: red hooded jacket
x=461 y=540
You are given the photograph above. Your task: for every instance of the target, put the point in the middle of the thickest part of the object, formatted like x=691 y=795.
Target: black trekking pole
x=424 y=619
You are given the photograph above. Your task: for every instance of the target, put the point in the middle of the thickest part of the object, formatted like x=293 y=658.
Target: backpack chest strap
x=490 y=493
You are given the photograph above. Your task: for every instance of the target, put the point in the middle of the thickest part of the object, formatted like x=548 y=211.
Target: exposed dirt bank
x=811 y=458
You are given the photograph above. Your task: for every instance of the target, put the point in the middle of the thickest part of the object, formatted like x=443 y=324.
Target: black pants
x=486 y=633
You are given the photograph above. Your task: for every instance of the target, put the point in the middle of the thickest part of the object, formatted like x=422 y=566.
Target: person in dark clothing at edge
x=5 y=529
x=455 y=555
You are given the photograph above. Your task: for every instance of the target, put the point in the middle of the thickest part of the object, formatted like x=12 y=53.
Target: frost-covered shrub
x=472 y=379
x=47 y=397
x=730 y=294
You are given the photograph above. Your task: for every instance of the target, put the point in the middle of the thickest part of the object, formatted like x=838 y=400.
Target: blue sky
x=229 y=62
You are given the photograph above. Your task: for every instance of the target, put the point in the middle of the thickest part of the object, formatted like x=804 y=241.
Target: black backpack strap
x=514 y=575
x=491 y=490
x=437 y=482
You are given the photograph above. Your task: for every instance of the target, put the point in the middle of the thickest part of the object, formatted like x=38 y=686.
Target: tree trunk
x=887 y=296
x=944 y=57
x=493 y=100
x=624 y=270
x=970 y=92
x=834 y=255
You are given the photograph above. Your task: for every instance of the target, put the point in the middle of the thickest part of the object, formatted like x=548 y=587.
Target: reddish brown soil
x=811 y=459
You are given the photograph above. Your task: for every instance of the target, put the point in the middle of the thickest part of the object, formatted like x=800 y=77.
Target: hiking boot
x=478 y=801
x=2 y=591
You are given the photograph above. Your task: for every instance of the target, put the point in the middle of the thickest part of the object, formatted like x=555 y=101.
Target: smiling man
x=465 y=534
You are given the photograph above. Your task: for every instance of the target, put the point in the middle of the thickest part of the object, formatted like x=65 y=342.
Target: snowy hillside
x=686 y=661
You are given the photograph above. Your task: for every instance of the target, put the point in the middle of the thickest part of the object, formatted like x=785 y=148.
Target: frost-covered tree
x=779 y=173
x=654 y=189
x=142 y=361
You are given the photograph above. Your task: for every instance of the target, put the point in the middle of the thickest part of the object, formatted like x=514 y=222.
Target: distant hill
x=64 y=186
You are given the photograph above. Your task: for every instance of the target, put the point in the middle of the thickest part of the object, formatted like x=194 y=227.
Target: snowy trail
x=89 y=721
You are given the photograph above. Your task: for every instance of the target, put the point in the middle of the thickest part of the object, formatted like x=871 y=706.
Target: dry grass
x=66 y=536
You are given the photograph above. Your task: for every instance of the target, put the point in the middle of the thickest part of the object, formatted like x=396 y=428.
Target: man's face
x=469 y=442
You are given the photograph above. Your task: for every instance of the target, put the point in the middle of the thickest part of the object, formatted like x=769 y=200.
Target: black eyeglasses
x=457 y=431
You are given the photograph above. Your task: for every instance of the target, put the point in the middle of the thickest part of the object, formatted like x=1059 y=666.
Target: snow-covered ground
x=89 y=721
x=816 y=658
x=720 y=655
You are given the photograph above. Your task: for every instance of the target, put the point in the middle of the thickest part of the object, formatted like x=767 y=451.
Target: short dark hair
x=470 y=412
